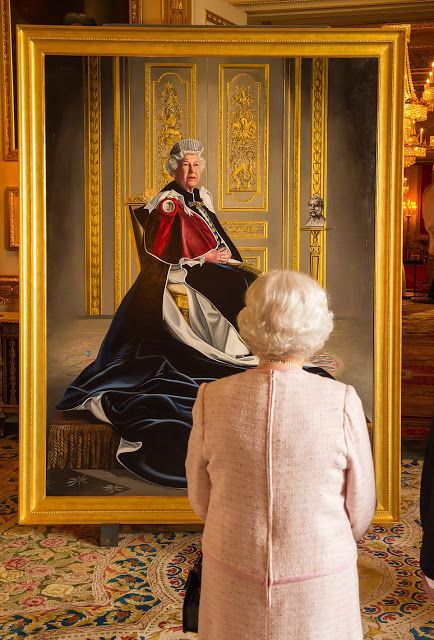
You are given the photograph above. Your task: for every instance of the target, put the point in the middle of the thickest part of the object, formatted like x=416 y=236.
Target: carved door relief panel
x=246 y=132
x=170 y=114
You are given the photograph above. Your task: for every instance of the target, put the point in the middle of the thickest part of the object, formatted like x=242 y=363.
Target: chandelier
x=415 y=110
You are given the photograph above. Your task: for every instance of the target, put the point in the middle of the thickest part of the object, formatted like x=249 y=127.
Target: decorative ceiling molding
x=336 y=12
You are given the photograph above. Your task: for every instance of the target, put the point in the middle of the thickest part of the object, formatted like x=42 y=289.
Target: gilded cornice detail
x=93 y=239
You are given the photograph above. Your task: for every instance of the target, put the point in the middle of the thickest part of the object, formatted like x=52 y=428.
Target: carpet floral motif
x=56 y=583
x=394 y=605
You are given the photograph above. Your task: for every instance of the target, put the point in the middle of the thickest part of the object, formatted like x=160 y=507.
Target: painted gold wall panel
x=170 y=115
x=243 y=137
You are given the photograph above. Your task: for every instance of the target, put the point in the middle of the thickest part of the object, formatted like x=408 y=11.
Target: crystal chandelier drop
x=428 y=91
x=414 y=111
x=414 y=147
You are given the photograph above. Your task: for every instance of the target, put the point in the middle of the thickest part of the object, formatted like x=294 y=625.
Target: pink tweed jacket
x=279 y=466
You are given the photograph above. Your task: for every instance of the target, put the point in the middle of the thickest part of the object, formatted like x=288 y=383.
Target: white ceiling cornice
x=338 y=11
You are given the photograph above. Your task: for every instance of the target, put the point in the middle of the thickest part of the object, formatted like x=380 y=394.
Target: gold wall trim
x=255 y=256
x=170 y=115
x=8 y=125
x=243 y=137
x=13 y=214
x=127 y=250
x=117 y=196
x=319 y=151
x=296 y=173
x=246 y=228
x=93 y=187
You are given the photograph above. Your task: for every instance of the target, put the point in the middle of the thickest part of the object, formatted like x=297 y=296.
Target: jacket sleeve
x=198 y=481
x=360 y=497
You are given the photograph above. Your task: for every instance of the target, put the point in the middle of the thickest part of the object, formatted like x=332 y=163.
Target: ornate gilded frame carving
x=37 y=42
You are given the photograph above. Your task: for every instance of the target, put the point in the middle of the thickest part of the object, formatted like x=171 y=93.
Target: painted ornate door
x=230 y=109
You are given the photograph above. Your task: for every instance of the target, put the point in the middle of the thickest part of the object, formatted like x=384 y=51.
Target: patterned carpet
x=56 y=583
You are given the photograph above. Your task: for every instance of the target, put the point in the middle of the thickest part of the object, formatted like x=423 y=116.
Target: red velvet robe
x=173 y=233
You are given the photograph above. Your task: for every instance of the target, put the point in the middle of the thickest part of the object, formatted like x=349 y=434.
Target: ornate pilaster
x=93 y=187
x=117 y=198
x=319 y=162
x=296 y=174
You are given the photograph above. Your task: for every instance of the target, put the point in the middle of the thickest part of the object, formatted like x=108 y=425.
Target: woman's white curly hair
x=286 y=314
x=181 y=149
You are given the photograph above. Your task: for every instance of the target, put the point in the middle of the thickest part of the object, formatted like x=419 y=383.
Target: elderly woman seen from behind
x=279 y=466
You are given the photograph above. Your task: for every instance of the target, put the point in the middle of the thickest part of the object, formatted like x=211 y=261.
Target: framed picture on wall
x=129 y=317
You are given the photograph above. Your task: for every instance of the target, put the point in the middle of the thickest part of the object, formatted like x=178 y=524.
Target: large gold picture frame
x=34 y=45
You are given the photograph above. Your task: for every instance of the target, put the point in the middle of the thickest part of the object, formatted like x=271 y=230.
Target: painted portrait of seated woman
x=152 y=361
x=153 y=358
